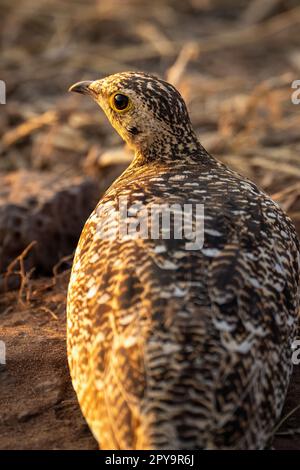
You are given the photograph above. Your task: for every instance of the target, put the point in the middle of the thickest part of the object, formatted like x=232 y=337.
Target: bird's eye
x=120 y=102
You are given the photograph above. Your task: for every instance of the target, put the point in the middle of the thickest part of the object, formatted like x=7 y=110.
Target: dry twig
x=24 y=276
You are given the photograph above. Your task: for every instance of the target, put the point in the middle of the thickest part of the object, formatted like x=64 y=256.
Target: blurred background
x=234 y=62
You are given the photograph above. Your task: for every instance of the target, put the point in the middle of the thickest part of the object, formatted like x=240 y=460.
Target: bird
x=174 y=343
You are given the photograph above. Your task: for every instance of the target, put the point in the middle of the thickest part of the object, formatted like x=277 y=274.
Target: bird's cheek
x=122 y=130
x=116 y=122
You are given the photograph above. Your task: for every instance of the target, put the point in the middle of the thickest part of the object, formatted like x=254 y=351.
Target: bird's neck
x=168 y=150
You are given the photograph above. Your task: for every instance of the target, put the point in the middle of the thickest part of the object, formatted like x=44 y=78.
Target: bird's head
x=148 y=113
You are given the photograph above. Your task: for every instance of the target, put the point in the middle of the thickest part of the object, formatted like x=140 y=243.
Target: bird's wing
x=253 y=290
x=120 y=318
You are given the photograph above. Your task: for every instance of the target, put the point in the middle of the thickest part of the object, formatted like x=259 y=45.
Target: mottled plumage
x=172 y=348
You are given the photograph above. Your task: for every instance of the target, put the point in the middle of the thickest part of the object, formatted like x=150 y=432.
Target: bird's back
x=182 y=348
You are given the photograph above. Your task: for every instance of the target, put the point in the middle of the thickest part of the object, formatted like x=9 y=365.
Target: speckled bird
x=169 y=347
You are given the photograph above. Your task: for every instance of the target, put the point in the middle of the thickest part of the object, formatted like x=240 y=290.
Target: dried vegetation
x=233 y=61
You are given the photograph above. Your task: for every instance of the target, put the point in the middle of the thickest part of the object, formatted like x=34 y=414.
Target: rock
x=45 y=208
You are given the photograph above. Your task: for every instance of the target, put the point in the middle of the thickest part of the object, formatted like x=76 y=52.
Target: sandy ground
x=46 y=414
x=234 y=62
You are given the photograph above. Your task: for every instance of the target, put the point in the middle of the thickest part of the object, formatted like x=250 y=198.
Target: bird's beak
x=83 y=88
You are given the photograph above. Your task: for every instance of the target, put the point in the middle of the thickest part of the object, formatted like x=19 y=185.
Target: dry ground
x=234 y=62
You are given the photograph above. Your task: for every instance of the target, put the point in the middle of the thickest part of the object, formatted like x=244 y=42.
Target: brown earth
x=234 y=62
x=39 y=409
